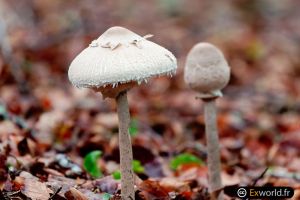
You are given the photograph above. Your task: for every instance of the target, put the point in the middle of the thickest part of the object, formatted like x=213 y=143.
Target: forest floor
x=59 y=142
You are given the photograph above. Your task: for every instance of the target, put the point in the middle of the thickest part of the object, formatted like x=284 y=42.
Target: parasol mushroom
x=112 y=64
x=207 y=72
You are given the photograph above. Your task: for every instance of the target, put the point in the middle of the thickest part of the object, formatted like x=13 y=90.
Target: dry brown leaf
x=34 y=188
x=174 y=184
x=108 y=120
x=74 y=194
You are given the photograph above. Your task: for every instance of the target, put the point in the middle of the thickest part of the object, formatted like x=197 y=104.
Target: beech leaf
x=136 y=166
x=90 y=163
x=184 y=158
x=133 y=127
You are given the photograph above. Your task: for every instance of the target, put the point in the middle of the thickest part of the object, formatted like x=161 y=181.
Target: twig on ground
x=259 y=177
x=55 y=193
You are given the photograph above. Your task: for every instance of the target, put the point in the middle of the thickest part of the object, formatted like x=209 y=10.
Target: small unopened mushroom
x=207 y=72
x=112 y=64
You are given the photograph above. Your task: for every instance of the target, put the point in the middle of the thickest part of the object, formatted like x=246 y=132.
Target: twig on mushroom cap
x=207 y=72
x=117 y=61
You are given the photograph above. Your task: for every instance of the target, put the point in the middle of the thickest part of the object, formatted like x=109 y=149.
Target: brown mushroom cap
x=206 y=70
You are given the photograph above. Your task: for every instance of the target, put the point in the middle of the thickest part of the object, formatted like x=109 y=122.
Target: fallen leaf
x=74 y=194
x=34 y=188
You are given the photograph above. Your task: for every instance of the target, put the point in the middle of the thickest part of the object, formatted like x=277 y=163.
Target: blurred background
x=259 y=116
x=256 y=36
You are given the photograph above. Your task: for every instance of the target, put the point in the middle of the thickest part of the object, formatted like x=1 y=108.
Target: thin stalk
x=127 y=178
x=213 y=151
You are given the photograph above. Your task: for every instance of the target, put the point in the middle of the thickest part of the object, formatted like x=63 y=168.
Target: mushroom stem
x=213 y=151
x=127 y=179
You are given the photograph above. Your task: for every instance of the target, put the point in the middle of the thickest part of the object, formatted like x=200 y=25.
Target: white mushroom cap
x=206 y=70
x=120 y=56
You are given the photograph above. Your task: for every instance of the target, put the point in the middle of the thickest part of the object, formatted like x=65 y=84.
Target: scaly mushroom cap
x=206 y=70
x=119 y=59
